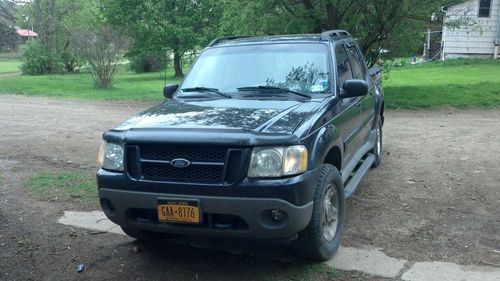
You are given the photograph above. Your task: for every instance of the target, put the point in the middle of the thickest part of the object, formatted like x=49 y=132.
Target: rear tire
x=378 y=148
x=321 y=239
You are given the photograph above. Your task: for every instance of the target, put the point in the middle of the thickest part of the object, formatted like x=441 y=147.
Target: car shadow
x=195 y=258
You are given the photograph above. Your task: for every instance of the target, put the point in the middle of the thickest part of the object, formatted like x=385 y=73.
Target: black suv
x=266 y=137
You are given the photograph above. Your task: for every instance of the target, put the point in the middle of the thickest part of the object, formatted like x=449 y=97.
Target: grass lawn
x=459 y=83
x=74 y=185
x=127 y=86
x=10 y=65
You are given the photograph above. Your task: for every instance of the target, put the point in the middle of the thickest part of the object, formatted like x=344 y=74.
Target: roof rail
x=335 y=34
x=227 y=38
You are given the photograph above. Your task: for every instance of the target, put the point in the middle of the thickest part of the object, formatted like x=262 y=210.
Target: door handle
x=358 y=104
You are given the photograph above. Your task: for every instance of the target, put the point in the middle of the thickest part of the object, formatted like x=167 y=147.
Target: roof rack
x=335 y=34
x=227 y=38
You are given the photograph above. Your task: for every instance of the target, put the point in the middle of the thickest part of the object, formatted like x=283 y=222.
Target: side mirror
x=354 y=88
x=169 y=90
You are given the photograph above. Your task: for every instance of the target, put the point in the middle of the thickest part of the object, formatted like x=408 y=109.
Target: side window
x=343 y=66
x=358 y=69
x=484 y=8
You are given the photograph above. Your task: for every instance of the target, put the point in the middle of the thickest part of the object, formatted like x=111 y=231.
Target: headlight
x=111 y=156
x=272 y=162
x=266 y=162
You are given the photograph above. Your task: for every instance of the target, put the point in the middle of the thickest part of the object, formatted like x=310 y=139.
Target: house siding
x=470 y=41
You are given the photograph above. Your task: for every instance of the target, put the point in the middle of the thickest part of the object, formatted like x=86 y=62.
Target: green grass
x=64 y=185
x=10 y=65
x=11 y=55
x=458 y=83
x=127 y=86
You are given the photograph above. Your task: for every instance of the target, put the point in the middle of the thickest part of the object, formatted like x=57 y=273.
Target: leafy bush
x=147 y=62
x=38 y=60
x=103 y=48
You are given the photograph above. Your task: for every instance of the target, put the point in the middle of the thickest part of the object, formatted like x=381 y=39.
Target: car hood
x=273 y=116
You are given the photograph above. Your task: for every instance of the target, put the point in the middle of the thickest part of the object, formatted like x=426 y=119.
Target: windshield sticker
x=324 y=83
x=317 y=88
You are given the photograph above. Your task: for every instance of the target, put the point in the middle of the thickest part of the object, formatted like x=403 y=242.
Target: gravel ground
x=436 y=197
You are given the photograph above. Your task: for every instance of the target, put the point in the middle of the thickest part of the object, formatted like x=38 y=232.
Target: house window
x=484 y=8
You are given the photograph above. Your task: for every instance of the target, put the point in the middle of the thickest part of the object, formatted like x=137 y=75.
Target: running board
x=361 y=172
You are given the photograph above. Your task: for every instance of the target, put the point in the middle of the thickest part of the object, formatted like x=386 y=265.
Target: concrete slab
x=373 y=262
x=443 y=271
x=95 y=220
x=370 y=261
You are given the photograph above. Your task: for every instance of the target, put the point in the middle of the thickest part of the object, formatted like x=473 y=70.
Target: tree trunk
x=331 y=14
x=177 y=64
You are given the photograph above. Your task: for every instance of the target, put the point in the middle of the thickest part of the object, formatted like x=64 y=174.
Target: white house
x=471 y=29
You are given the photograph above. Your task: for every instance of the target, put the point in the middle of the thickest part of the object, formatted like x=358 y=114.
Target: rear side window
x=358 y=69
x=343 y=66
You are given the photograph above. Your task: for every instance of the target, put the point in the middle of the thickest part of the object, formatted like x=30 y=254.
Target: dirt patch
x=10 y=74
x=435 y=197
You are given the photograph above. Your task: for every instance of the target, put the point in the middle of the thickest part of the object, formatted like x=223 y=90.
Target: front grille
x=191 y=153
x=157 y=171
x=207 y=163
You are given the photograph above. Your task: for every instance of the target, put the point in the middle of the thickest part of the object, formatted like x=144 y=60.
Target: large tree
x=8 y=36
x=177 y=26
x=375 y=23
x=56 y=21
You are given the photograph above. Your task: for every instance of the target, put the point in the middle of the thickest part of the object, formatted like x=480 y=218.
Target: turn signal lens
x=295 y=160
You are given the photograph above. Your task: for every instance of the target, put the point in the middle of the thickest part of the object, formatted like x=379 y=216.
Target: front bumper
x=248 y=217
x=244 y=207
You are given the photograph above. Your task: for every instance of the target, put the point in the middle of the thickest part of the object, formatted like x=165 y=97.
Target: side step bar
x=358 y=176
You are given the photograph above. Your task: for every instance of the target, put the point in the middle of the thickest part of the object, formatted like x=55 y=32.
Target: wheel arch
x=334 y=157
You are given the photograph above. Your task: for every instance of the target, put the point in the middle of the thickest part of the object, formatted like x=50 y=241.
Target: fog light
x=277 y=215
x=108 y=207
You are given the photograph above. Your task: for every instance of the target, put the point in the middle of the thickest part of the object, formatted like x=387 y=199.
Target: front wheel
x=321 y=239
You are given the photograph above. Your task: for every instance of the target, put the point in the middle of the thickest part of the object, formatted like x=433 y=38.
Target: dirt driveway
x=436 y=197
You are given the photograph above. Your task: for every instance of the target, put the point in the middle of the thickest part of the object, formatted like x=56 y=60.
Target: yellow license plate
x=178 y=211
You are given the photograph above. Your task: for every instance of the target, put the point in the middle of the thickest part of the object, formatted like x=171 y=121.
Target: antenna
x=166 y=65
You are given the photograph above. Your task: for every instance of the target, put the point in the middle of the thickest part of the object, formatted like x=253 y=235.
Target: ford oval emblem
x=180 y=163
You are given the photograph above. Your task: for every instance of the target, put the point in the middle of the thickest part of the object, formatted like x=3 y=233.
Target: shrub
x=38 y=60
x=103 y=48
x=147 y=62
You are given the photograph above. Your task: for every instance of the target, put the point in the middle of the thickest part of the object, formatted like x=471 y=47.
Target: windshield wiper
x=256 y=88
x=206 y=90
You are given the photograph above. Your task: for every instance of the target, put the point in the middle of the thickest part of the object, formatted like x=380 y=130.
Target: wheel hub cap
x=330 y=217
x=379 y=142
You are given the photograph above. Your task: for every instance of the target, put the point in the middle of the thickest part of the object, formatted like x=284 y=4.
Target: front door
x=367 y=102
x=350 y=108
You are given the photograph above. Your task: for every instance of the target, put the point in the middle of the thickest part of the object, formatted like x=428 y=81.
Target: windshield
x=297 y=67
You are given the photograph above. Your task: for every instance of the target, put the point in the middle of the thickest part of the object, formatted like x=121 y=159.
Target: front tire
x=321 y=239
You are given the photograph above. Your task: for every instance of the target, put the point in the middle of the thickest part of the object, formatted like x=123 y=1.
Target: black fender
x=321 y=143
